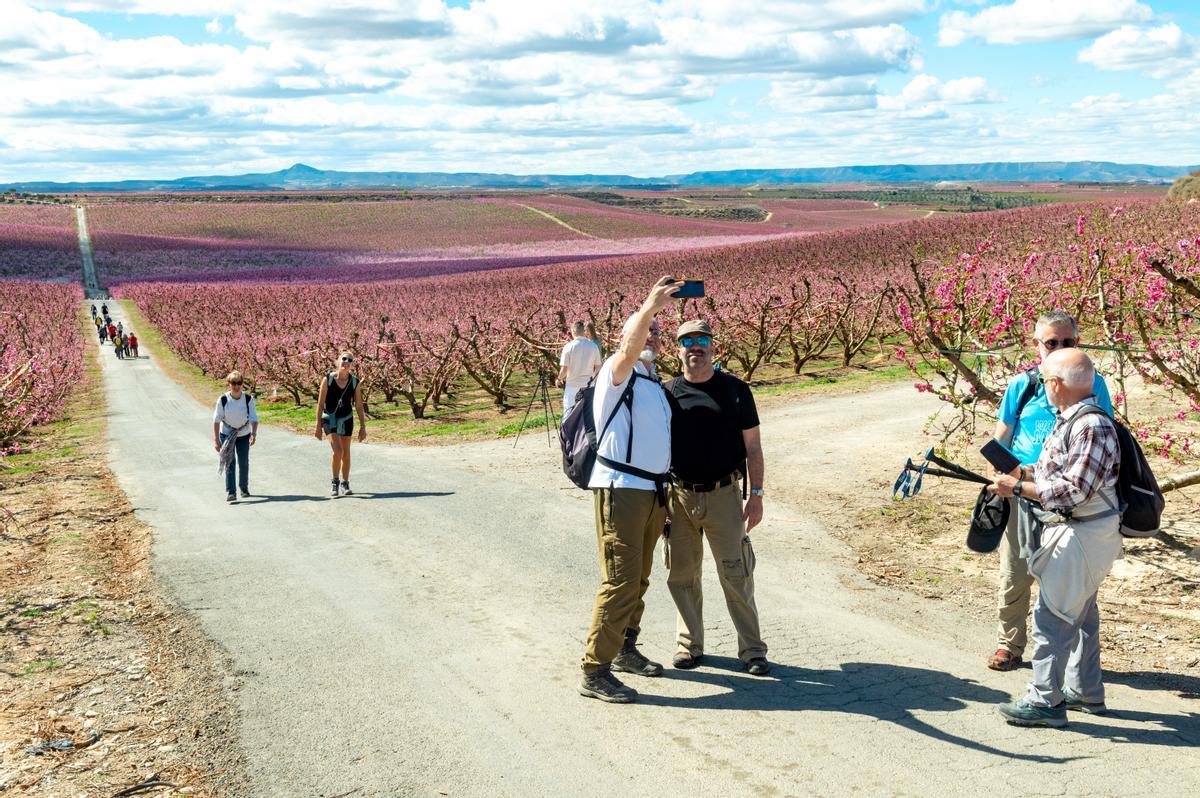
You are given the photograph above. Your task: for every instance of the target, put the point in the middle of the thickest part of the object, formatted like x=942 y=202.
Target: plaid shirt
x=1070 y=473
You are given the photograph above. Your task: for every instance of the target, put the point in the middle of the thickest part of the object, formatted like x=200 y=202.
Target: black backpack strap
x=224 y=400
x=1087 y=410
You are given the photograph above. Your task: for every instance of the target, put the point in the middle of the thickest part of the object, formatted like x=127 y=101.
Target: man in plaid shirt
x=1074 y=480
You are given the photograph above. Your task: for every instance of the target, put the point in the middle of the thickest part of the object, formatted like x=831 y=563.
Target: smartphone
x=999 y=456
x=691 y=289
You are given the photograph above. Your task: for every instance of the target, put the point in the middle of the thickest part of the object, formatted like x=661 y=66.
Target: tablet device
x=999 y=456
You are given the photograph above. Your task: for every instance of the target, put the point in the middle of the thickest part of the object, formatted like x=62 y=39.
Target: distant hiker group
x=125 y=343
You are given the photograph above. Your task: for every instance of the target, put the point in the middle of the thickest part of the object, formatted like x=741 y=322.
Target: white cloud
x=959 y=91
x=213 y=26
x=1026 y=21
x=1160 y=51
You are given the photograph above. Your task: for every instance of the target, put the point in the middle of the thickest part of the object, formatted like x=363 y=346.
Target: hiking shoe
x=245 y=494
x=603 y=685
x=758 y=666
x=346 y=488
x=333 y=489
x=1076 y=703
x=630 y=660
x=684 y=661
x=1022 y=713
x=231 y=497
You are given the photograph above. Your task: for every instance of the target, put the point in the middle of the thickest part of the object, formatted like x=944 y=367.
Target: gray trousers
x=1065 y=654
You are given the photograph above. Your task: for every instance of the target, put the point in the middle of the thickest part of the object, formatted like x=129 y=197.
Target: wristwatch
x=1017 y=490
x=757 y=492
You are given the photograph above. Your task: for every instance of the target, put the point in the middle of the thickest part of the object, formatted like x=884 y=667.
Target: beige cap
x=693 y=327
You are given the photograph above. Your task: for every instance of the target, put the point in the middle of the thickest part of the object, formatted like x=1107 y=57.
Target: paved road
x=422 y=637
x=91 y=283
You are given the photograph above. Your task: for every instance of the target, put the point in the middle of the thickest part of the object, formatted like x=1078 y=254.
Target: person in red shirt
x=112 y=330
x=133 y=343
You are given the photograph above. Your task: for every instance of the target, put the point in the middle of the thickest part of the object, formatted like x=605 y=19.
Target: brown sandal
x=1004 y=660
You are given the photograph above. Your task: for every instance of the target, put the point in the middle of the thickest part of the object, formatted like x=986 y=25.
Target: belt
x=707 y=487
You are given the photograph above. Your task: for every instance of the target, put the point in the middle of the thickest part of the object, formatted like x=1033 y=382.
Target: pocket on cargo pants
x=748 y=560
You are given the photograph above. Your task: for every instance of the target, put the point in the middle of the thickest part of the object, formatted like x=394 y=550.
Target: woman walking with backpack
x=339 y=399
x=235 y=429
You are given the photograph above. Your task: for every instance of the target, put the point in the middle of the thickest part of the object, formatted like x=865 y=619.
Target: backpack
x=245 y=395
x=580 y=443
x=1141 y=499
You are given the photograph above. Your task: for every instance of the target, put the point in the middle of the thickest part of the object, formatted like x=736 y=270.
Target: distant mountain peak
x=301 y=169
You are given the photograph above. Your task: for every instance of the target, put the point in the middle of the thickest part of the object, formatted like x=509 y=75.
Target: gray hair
x=1055 y=318
x=1079 y=376
x=578 y=327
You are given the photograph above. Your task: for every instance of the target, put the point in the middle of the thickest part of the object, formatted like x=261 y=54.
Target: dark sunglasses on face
x=347 y=359
x=236 y=384
x=1053 y=343
x=695 y=340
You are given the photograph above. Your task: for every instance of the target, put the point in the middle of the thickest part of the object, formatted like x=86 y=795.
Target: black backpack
x=580 y=443
x=1141 y=499
x=245 y=395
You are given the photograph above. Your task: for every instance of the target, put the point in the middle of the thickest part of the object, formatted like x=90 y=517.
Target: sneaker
x=603 y=685
x=630 y=660
x=245 y=494
x=333 y=490
x=1076 y=703
x=758 y=666
x=231 y=497
x=1022 y=713
x=685 y=661
x=346 y=488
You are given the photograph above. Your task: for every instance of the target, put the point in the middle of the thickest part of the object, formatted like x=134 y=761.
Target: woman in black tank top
x=339 y=398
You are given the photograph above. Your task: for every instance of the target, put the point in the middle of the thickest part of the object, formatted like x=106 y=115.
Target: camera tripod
x=542 y=393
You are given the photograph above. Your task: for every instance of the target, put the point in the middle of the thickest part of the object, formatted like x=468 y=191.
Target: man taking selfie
x=714 y=435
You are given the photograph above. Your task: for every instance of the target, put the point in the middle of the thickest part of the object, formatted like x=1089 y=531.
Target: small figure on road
x=1024 y=420
x=235 y=429
x=579 y=362
x=715 y=445
x=104 y=310
x=340 y=397
x=133 y=343
x=93 y=311
x=118 y=346
x=1075 y=480
x=633 y=424
x=102 y=330
x=112 y=329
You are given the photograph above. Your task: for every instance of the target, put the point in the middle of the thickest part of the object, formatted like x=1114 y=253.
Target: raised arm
x=634 y=341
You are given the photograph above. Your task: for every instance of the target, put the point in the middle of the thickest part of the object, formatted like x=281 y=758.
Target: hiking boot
x=630 y=660
x=758 y=666
x=1022 y=713
x=231 y=497
x=684 y=661
x=1076 y=703
x=333 y=489
x=603 y=685
x=245 y=494
x=346 y=488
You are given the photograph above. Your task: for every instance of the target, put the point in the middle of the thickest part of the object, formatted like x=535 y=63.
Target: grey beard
x=647 y=355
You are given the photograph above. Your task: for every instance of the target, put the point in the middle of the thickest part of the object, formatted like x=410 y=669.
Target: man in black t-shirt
x=714 y=444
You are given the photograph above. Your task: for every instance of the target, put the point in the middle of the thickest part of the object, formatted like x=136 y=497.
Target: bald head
x=1075 y=376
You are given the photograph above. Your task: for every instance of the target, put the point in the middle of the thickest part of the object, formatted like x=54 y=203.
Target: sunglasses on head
x=1053 y=343
x=695 y=340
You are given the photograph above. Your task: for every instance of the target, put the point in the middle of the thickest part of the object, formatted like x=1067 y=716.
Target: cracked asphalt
x=422 y=637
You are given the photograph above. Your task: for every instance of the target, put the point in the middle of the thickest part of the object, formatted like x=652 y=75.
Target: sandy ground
x=422 y=636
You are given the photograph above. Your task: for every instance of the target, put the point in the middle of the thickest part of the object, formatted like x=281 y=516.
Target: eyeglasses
x=347 y=359
x=1042 y=378
x=695 y=340
x=237 y=384
x=1053 y=343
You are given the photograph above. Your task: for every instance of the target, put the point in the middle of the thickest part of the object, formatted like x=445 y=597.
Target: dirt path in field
x=554 y=219
x=422 y=636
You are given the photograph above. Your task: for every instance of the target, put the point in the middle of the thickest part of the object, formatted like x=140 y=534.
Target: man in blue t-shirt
x=1023 y=422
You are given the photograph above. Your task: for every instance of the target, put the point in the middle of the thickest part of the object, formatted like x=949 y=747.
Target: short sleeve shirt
x=707 y=422
x=582 y=358
x=651 y=420
x=1038 y=415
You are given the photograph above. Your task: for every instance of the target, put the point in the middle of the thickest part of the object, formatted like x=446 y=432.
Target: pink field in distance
x=38 y=242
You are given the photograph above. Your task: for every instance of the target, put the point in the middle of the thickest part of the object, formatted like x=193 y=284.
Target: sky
x=101 y=89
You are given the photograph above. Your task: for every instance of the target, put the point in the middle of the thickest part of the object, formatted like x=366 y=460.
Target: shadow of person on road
x=397 y=494
x=1186 y=686
x=886 y=692
x=266 y=498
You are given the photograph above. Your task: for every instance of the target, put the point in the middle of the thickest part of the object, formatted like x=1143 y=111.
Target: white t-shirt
x=234 y=415
x=651 y=430
x=581 y=357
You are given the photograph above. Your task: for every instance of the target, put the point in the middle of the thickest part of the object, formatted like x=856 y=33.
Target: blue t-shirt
x=1038 y=416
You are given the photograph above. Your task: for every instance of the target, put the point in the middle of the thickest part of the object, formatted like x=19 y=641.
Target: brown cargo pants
x=1016 y=583
x=717 y=516
x=628 y=525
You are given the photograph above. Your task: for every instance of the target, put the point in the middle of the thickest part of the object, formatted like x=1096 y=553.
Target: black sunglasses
x=347 y=359
x=1052 y=343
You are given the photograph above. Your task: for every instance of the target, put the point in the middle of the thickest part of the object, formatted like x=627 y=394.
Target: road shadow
x=397 y=494
x=1155 y=728
x=263 y=498
x=1186 y=686
x=883 y=691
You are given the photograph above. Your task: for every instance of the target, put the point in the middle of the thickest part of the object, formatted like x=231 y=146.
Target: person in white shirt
x=633 y=422
x=235 y=429
x=579 y=362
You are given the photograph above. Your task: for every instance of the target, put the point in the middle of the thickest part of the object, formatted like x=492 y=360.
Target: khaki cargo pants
x=717 y=516
x=1013 y=595
x=629 y=523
